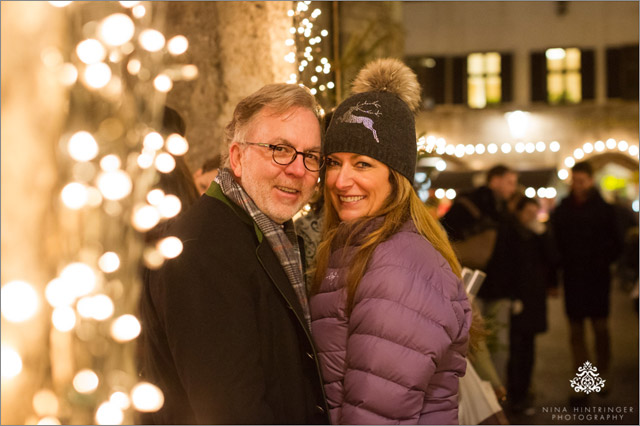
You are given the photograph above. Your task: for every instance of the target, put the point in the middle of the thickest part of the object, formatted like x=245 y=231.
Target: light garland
x=117 y=73
x=430 y=144
x=314 y=70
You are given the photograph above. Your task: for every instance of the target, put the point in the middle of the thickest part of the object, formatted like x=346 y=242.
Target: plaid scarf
x=282 y=238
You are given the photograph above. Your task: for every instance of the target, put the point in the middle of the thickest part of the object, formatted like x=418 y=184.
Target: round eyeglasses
x=286 y=154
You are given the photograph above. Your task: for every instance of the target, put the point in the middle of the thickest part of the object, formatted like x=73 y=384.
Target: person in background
x=532 y=276
x=486 y=207
x=207 y=173
x=226 y=325
x=588 y=241
x=390 y=315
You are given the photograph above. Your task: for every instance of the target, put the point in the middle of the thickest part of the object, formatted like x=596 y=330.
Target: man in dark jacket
x=486 y=207
x=584 y=226
x=226 y=323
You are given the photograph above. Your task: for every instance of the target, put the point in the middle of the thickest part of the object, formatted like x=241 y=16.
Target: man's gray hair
x=278 y=97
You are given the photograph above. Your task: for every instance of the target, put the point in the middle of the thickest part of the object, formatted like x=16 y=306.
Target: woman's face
x=358 y=185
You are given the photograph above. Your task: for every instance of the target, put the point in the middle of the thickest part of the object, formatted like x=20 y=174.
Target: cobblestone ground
x=553 y=371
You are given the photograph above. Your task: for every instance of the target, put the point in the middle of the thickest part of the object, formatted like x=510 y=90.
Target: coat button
x=310 y=355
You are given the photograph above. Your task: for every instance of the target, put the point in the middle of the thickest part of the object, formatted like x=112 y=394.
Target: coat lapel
x=271 y=265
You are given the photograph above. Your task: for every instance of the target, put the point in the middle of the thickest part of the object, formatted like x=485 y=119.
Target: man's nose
x=296 y=167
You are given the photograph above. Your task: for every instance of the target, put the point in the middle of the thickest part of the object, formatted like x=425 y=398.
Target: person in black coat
x=483 y=208
x=226 y=331
x=585 y=231
x=532 y=272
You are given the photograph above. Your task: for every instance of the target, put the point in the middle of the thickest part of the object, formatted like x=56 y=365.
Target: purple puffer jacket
x=397 y=359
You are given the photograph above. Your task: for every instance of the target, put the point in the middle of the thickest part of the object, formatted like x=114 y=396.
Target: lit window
x=484 y=80
x=564 y=77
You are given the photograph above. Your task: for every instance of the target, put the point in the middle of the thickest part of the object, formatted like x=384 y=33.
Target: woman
x=390 y=315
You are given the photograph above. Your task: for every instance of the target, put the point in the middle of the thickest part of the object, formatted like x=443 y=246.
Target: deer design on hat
x=367 y=122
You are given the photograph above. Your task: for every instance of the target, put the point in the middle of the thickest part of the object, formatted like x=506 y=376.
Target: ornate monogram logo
x=587 y=380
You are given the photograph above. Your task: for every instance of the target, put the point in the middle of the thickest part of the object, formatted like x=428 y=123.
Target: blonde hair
x=403 y=203
x=278 y=98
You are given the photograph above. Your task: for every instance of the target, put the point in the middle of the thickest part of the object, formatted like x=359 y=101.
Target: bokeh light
x=147 y=397
x=125 y=328
x=86 y=381
x=19 y=301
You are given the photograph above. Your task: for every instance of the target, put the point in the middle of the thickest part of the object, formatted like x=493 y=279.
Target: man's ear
x=235 y=157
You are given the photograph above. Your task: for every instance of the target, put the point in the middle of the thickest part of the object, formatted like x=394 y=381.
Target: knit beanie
x=377 y=120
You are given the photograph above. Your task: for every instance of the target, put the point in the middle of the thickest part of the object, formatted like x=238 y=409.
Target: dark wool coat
x=588 y=242
x=460 y=224
x=224 y=334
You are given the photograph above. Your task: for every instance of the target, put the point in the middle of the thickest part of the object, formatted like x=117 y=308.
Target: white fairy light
x=469 y=149
x=450 y=193
x=633 y=150
x=116 y=29
x=19 y=300
x=551 y=192
x=109 y=262
x=623 y=145
x=554 y=146
x=125 y=328
x=147 y=397
x=611 y=143
x=109 y=413
x=49 y=420
x=542 y=192
x=129 y=4
x=99 y=307
x=68 y=74
x=59 y=293
x=45 y=403
x=569 y=162
x=63 y=318
x=541 y=146
x=169 y=247
x=163 y=83
x=440 y=192
x=155 y=196
x=139 y=11
x=480 y=149
x=578 y=153
x=530 y=192
x=145 y=217
x=120 y=399
x=97 y=75
x=114 y=185
x=588 y=148
x=331 y=85
x=165 y=162
x=519 y=148
x=153 y=141
x=85 y=381
x=90 y=51
x=441 y=165
x=151 y=40
x=80 y=278
x=170 y=206
x=133 y=66
x=11 y=362
x=59 y=3
x=74 y=195
x=82 y=146
x=145 y=160
x=506 y=148
x=110 y=162
x=178 y=45
x=563 y=174
x=450 y=149
x=599 y=146
x=492 y=148
x=176 y=144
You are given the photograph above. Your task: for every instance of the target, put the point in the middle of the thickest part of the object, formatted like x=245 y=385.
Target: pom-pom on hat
x=377 y=120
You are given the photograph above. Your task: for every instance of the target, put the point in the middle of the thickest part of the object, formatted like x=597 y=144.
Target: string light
x=74 y=195
x=125 y=328
x=151 y=40
x=114 y=185
x=116 y=29
x=109 y=414
x=85 y=381
x=82 y=146
x=11 y=362
x=91 y=51
x=178 y=45
x=45 y=403
x=97 y=75
x=147 y=397
x=64 y=318
x=170 y=247
x=19 y=301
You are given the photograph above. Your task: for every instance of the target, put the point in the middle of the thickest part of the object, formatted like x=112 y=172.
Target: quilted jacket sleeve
x=407 y=341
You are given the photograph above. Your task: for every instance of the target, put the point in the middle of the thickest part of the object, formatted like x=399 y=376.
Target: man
x=227 y=322
x=585 y=231
x=207 y=173
x=486 y=207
